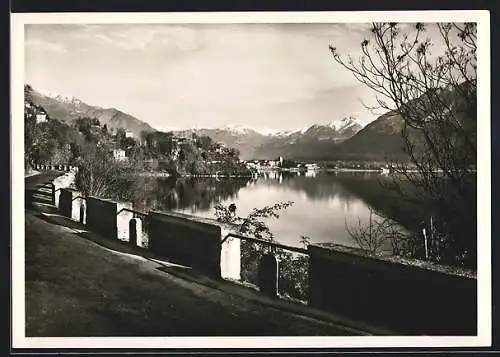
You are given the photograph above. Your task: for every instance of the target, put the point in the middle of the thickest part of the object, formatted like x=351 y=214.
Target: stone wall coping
x=408 y=262
x=225 y=227
x=70 y=189
x=103 y=199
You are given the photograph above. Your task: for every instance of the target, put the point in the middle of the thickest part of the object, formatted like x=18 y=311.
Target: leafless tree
x=379 y=233
x=99 y=174
x=434 y=95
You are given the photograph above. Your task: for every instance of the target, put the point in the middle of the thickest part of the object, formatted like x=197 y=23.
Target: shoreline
x=166 y=174
x=353 y=170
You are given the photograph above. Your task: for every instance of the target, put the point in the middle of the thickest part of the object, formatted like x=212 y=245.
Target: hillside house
x=119 y=154
x=41 y=117
x=129 y=134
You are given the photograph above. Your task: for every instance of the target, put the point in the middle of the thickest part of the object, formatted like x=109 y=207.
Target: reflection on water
x=322 y=202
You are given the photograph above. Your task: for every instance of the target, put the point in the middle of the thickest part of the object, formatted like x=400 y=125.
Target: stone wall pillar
x=123 y=221
x=230 y=257
x=79 y=210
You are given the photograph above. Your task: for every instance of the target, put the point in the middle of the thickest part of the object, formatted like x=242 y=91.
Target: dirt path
x=32 y=180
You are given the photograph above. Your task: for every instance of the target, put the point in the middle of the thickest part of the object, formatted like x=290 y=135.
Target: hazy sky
x=266 y=76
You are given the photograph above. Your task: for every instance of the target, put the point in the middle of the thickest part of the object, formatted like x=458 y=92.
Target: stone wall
x=43 y=167
x=101 y=216
x=410 y=297
x=65 y=202
x=72 y=205
x=187 y=242
x=64 y=181
x=393 y=293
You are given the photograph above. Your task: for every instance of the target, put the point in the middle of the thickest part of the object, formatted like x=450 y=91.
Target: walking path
x=80 y=284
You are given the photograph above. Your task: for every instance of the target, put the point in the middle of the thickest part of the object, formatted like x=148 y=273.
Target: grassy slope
x=76 y=288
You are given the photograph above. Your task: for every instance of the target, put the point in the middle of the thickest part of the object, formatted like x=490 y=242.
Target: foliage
x=98 y=173
x=435 y=96
x=54 y=142
x=254 y=224
x=293 y=268
x=47 y=142
x=195 y=155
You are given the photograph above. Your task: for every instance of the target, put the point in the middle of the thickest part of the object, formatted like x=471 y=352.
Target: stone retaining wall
x=72 y=205
x=186 y=242
x=102 y=217
x=395 y=294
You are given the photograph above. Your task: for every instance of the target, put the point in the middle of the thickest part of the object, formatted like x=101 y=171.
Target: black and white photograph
x=251 y=180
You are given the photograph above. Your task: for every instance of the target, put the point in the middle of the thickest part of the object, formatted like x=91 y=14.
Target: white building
x=129 y=134
x=253 y=165
x=312 y=167
x=119 y=154
x=41 y=118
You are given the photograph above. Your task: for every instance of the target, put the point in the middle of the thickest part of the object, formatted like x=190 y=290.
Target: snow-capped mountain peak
x=304 y=129
x=237 y=129
x=248 y=130
x=344 y=124
x=64 y=99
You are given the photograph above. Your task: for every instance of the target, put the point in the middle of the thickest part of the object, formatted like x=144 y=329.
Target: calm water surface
x=324 y=202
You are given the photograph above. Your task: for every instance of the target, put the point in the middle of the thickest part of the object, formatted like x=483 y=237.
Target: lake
x=324 y=202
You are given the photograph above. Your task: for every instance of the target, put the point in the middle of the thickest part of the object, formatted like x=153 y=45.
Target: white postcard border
x=482 y=17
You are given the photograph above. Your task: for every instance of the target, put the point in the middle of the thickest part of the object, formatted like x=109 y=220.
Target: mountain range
x=67 y=110
x=255 y=145
x=344 y=139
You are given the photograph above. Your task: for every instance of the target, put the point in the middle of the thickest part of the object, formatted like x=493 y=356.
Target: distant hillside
x=343 y=139
x=243 y=139
x=67 y=110
x=382 y=138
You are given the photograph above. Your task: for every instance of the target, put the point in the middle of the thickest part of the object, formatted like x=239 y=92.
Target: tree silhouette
x=434 y=94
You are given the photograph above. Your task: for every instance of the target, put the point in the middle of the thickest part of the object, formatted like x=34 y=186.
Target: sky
x=265 y=76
